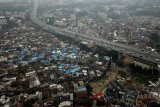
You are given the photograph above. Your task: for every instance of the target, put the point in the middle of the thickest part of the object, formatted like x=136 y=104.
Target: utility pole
x=77 y=30
x=117 y=27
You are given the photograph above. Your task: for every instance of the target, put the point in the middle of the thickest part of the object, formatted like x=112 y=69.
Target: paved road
x=137 y=53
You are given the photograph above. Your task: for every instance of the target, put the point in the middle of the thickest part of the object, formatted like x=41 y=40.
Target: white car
x=157 y=60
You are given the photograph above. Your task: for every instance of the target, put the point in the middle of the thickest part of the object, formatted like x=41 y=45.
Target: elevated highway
x=134 y=52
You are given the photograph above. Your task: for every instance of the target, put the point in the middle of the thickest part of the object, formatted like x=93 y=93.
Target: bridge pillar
x=119 y=55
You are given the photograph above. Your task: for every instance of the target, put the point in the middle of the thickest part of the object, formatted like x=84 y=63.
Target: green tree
x=28 y=103
x=56 y=102
x=154 y=37
x=89 y=89
x=90 y=102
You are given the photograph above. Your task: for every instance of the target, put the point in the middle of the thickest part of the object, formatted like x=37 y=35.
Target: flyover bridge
x=134 y=52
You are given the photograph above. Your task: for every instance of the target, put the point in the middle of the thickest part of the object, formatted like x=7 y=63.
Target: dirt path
x=101 y=84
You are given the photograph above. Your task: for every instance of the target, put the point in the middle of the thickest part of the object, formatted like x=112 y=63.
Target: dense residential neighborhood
x=41 y=68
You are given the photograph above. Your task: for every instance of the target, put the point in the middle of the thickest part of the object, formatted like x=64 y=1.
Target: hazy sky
x=9 y=0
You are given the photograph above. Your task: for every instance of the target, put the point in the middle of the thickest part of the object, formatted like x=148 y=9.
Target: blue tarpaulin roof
x=45 y=61
x=55 y=55
x=69 y=68
x=34 y=58
x=10 y=62
x=41 y=55
x=34 y=53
